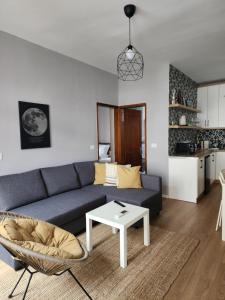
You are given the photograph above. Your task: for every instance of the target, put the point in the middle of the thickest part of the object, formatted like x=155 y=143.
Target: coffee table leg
x=146 y=230
x=88 y=234
x=123 y=247
x=114 y=230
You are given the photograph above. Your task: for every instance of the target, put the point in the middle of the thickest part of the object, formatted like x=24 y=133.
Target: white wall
x=154 y=90
x=71 y=88
x=104 y=124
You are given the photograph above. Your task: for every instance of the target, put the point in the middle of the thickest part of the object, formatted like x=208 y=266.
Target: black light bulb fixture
x=130 y=62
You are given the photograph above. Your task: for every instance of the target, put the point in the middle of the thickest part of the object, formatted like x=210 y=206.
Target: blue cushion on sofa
x=138 y=197
x=60 y=179
x=63 y=208
x=21 y=189
x=86 y=172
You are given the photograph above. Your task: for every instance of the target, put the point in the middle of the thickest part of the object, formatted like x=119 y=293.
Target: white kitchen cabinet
x=222 y=105
x=186 y=178
x=220 y=162
x=201 y=175
x=211 y=102
x=212 y=167
x=213 y=106
x=202 y=105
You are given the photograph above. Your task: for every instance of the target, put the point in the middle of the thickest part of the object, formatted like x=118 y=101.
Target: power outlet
x=92 y=147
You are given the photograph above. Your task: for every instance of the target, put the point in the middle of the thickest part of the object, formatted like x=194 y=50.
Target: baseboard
x=165 y=196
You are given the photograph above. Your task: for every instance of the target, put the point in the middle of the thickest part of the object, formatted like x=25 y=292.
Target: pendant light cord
x=129 y=33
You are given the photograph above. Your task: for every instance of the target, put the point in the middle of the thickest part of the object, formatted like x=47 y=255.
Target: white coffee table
x=106 y=214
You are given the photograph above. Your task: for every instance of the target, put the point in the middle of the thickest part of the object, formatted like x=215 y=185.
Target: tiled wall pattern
x=179 y=135
x=188 y=88
x=216 y=137
x=179 y=81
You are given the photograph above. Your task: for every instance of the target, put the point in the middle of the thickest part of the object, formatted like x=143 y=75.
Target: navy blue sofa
x=62 y=195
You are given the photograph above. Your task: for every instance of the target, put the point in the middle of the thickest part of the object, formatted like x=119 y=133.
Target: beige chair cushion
x=128 y=177
x=41 y=237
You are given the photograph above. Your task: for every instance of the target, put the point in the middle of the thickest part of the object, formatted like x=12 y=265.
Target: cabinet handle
x=205 y=123
x=208 y=123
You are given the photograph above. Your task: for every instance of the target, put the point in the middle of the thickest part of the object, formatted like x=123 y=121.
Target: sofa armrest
x=152 y=182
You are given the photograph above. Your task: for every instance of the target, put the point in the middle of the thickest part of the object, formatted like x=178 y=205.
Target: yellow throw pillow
x=128 y=178
x=99 y=173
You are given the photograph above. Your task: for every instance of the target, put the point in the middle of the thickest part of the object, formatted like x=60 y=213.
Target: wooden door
x=132 y=137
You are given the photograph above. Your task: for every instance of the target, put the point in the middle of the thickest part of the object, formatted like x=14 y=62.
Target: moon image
x=34 y=121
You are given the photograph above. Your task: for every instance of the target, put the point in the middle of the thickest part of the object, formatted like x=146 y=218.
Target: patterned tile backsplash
x=181 y=82
x=216 y=137
x=188 y=88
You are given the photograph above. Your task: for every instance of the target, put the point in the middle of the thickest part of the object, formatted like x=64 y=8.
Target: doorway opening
x=130 y=135
x=106 y=132
x=122 y=134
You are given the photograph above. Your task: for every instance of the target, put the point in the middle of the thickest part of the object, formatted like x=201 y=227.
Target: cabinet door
x=202 y=105
x=220 y=163
x=212 y=167
x=222 y=105
x=201 y=176
x=213 y=106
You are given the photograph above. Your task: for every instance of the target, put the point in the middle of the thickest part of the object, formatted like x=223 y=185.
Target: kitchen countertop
x=199 y=153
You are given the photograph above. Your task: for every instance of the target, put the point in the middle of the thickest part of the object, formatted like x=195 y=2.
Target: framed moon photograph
x=34 y=125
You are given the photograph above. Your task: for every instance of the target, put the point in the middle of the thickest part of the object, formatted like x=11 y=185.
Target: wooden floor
x=203 y=277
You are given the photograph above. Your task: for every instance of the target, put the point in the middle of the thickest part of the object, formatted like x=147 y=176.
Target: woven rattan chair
x=48 y=265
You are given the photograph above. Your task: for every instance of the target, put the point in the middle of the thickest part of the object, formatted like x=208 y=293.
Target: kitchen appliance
x=186 y=147
x=206 y=144
x=182 y=120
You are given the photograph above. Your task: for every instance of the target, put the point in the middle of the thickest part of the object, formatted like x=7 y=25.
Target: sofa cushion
x=21 y=189
x=139 y=197
x=99 y=173
x=128 y=177
x=86 y=172
x=60 y=179
x=63 y=208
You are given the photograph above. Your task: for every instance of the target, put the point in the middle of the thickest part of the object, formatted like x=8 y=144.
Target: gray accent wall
x=32 y=73
x=154 y=90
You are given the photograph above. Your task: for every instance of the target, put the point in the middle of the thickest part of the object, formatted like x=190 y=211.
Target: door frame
x=116 y=123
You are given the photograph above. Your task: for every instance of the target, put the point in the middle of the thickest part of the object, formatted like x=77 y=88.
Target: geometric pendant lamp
x=130 y=62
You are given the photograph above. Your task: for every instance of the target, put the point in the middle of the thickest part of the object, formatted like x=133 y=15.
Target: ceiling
x=188 y=34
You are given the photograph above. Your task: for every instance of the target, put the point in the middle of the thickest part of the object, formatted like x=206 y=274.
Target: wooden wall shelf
x=180 y=106
x=184 y=127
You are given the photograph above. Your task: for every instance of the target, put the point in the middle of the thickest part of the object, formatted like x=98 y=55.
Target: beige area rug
x=150 y=273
